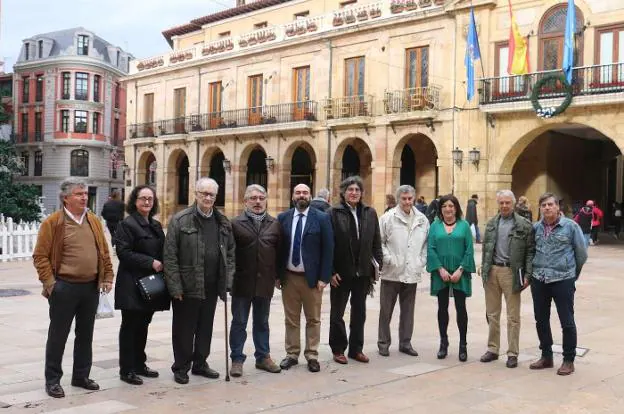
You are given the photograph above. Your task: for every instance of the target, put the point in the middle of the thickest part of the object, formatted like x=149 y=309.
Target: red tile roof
x=196 y=24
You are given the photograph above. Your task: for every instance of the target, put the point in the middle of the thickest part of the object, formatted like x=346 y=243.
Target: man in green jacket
x=507 y=264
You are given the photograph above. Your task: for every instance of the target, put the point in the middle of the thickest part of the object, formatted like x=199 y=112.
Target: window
x=118 y=58
x=354 y=76
x=96 y=123
x=25 y=89
x=610 y=55
x=148 y=114
x=179 y=109
x=26 y=162
x=117 y=95
x=65 y=121
x=116 y=132
x=347 y=3
x=417 y=67
x=38 y=163
x=96 y=88
x=24 y=127
x=79 y=163
x=225 y=34
x=66 y=85
x=38 y=124
x=81 y=91
x=40 y=47
x=254 y=99
x=260 y=25
x=551 y=33
x=214 y=104
x=26 y=51
x=83 y=45
x=506 y=86
x=301 y=91
x=302 y=15
x=39 y=89
x=80 y=121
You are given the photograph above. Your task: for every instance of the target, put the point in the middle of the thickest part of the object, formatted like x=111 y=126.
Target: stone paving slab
x=396 y=384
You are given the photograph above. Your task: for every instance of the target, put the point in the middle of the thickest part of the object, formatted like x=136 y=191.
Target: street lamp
x=270 y=163
x=227 y=165
x=458 y=156
x=475 y=157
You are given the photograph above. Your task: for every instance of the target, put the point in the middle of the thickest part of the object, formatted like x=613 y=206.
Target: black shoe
x=313 y=365
x=443 y=351
x=489 y=357
x=55 y=390
x=463 y=353
x=147 y=372
x=409 y=351
x=288 y=362
x=86 y=383
x=384 y=352
x=512 y=362
x=181 y=377
x=131 y=378
x=205 y=372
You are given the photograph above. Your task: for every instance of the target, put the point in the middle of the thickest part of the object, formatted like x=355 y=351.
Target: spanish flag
x=518 y=49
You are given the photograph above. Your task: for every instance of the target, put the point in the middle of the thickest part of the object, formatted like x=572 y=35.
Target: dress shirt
x=290 y=266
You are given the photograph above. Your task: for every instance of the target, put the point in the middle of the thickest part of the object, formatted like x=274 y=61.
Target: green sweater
x=450 y=251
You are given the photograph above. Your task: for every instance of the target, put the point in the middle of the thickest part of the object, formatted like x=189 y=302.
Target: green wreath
x=551 y=111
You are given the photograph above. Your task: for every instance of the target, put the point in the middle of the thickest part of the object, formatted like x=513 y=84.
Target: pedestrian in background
x=523 y=208
x=113 y=213
x=450 y=260
x=390 y=202
x=139 y=240
x=584 y=219
x=322 y=200
x=421 y=205
x=472 y=217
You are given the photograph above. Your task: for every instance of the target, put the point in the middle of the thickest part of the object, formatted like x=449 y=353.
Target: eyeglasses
x=257 y=198
x=146 y=199
x=206 y=194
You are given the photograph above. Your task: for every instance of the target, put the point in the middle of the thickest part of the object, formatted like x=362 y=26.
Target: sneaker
x=237 y=369
x=267 y=364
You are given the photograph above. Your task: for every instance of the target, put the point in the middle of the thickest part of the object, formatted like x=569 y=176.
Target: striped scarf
x=256 y=217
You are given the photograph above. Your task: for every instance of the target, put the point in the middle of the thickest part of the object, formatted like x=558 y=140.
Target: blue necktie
x=296 y=254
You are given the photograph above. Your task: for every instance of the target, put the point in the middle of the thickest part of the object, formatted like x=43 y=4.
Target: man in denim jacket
x=560 y=252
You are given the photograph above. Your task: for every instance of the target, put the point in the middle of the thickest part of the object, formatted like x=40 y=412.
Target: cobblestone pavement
x=398 y=384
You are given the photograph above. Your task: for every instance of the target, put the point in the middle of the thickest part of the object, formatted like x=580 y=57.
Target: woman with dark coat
x=139 y=241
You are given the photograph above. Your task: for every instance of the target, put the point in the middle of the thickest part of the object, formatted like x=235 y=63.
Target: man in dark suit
x=305 y=267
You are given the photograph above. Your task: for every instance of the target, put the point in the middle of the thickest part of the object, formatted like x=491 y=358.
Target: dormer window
x=40 y=48
x=26 y=51
x=83 y=45
x=118 y=57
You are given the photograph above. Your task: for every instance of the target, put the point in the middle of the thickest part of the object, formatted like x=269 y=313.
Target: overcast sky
x=134 y=25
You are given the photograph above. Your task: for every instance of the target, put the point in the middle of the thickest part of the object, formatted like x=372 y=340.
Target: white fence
x=17 y=241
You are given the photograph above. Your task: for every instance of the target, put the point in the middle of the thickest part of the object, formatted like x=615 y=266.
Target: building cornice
x=66 y=60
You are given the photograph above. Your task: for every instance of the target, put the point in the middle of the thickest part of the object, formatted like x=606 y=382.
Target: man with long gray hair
x=404 y=232
x=73 y=263
x=199 y=264
x=258 y=238
x=356 y=244
x=507 y=264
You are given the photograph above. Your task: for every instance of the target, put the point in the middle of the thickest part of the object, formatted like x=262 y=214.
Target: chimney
x=240 y=3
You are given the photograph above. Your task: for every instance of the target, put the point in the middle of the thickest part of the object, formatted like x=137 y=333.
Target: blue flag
x=472 y=53
x=568 y=42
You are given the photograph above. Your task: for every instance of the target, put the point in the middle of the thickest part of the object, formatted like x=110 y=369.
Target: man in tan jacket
x=73 y=263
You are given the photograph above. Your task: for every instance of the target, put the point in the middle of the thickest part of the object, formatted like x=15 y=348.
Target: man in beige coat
x=404 y=232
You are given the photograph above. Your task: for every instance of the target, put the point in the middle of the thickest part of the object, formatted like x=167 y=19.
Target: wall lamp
x=227 y=165
x=475 y=157
x=458 y=156
x=270 y=163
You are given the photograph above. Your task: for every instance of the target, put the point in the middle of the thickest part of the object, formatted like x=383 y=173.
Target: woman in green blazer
x=450 y=260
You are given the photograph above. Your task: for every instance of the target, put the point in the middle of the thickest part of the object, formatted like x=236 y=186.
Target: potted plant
x=338 y=21
x=396 y=7
x=350 y=18
x=188 y=55
x=140 y=66
x=290 y=31
x=410 y=5
x=301 y=30
x=374 y=13
x=229 y=45
x=161 y=62
x=438 y=2
x=425 y=3
x=312 y=27
x=362 y=15
x=252 y=41
x=242 y=43
x=271 y=37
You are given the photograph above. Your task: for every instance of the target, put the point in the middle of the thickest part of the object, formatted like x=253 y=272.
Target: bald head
x=301 y=196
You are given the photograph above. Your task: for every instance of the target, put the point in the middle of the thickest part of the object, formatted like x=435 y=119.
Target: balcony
x=598 y=84
x=295 y=115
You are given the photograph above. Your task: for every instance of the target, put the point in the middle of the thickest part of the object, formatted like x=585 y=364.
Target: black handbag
x=153 y=288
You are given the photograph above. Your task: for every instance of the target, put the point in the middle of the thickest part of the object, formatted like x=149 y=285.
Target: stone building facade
x=70 y=110
x=279 y=92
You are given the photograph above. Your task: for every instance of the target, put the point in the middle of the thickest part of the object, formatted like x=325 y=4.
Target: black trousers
x=443 y=315
x=69 y=301
x=112 y=228
x=356 y=288
x=192 y=331
x=594 y=234
x=563 y=294
x=132 y=340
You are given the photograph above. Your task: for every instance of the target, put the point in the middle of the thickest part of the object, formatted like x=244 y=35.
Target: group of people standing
x=205 y=255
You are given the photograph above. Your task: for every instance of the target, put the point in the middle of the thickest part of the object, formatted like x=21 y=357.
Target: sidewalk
x=398 y=384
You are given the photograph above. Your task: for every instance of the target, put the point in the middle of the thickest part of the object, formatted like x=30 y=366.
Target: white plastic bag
x=473 y=230
x=104 y=309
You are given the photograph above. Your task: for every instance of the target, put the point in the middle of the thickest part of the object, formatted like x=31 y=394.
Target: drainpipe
x=197 y=166
x=329 y=96
x=454 y=100
x=136 y=114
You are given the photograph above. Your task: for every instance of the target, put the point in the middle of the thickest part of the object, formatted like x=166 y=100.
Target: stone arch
x=425 y=176
x=177 y=181
x=212 y=166
x=146 y=168
x=348 y=148
x=298 y=166
x=254 y=153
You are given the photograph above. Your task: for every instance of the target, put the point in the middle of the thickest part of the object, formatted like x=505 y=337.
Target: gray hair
x=323 y=193
x=405 y=188
x=207 y=180
x=68 y=185
x=546 y=196
x=254 y=187
x=506 y=193
x=349 y=181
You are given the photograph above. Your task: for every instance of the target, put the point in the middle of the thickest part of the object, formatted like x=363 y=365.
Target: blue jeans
x=477 y=234
x=260 y=329
x=587 y=237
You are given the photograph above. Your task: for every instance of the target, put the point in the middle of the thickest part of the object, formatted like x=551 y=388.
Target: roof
x=196 y=24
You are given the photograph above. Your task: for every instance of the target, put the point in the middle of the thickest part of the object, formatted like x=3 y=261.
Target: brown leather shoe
x=340 y=358
x=489 y=357
x=567 y=367
x=360 y=357
x=512 y=362
x=542 y=363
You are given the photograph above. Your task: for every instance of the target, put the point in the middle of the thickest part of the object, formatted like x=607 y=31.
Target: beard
x=302 y=203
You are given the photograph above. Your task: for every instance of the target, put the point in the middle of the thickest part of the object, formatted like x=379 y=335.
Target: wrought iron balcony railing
x=256 y=116
x=586 y=80
x=348 y=107
x=412 y=99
